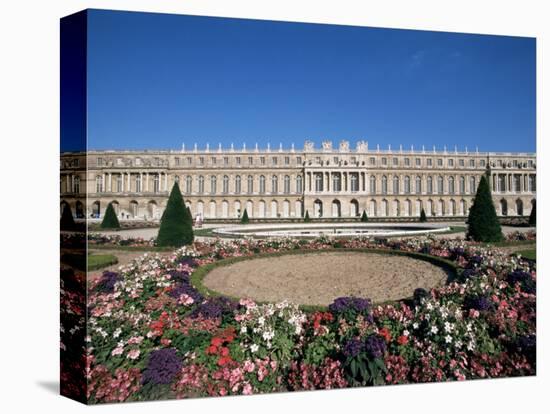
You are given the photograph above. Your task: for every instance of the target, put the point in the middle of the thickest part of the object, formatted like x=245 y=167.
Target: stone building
x=284 y=183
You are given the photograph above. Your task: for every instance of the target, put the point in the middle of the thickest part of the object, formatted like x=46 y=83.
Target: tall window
x=201 y=184
x=440 y=185
x=517 y=183
x=250 y=184
x=225 y=184
x=396 y=184
x=418 y=185
x=213 y=184
x=287 y=184
x=299 y=186
x=76 y=185
x=156 y=183
x=188 y=184
x=119 y=183
x=384 y=184
x=407 y=184
x=372 y=184
x=262 y=184
x=274 y=184
x=430 y=184
x=532 y=183
x=473 y=185
x=336 y=182
x=451 y=185
x=138 y=183
x=462 y=185
x=238 y=184
x=319 y=182
x=354 y=182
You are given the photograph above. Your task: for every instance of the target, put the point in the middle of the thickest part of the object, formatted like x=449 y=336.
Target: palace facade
x=284 y=183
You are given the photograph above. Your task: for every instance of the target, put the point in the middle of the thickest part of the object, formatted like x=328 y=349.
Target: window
x=213 y=160
x=201 y=184
x=250 y=161
x=450 y=162
x=517 y=183
x=138 y=161
x=76 y=184
x=262 y=160
x=430 y=185
x=286 y=188
x=177 y=160
x=238 y=184
x=250 y=184
x=530 y=163
x=262 y=184
x=299 y=160
x=462 y=185
x=299 y=184
x=439 y=162
x=319 y=182
x=138 y=183
x=225 y=160
x=395 y=161
x=99 y=184
x=118 y=183
x=189 y=160
x=451 y=185
x=384 y=161
x=201 y=160
x=395 y=184
x=418 y=185
x=213 y=184
x=274 y=184
x=407 y=162
x=287 y=160
x=440 y=185
x=336 y=182
x=472 y=163
x=353 y=160
x=156 y=183
x=354 y=182
x=100 y=162
x=335 y=159
x=274 y=161
x=407 y=184
x=429 y=162
x=532 y=183
x=238 y=160
x=482 y=163
x=384 y=184
x=225 y=184
x=472 y=185
x=499 y=163
x=318 y=160
x=461 y=162
x=372 y=161
x=188 y=184
x=372 y=184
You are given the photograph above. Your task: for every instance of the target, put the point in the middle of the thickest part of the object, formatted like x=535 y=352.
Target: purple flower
x=187 y=289
x=179 y=277
x=162 y=367
x=107 y=282
x=353 y=347
x=349 y=303
x=375 y=346
x=480 y=303
x=215 y=308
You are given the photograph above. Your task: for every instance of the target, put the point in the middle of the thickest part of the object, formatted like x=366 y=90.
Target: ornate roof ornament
x=309 y=145
x=327 y=145
x=362 y=146
x=344 y=146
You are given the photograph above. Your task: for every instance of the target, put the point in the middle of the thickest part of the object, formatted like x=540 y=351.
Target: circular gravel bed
x=319 y=278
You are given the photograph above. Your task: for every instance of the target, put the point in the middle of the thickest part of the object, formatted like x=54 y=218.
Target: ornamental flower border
x=151 y=334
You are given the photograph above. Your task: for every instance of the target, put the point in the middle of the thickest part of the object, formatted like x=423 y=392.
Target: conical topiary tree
x=483 y=223
x=533 y=215
x=307 y=219
x=244 y=218
x=364 y=217
x=176 y=226
x=110 y=220
x=423 y=217
x=67 y=220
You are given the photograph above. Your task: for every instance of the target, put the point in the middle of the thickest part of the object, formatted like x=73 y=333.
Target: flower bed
x=153 y=335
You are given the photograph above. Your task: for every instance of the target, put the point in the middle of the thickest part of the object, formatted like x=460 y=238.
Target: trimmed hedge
x=110 y=220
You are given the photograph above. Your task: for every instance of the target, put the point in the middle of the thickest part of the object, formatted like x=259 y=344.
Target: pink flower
x=117 y=351
x=248 y=366
x=133 y=354
x=135 y=340
x=247 y=389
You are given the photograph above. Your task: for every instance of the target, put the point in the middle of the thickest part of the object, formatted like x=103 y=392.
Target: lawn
x=530 y=254
x=99 y=261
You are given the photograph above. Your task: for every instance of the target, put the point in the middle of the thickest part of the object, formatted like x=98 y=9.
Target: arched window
x=407 y=184
x=250 y=184
x=76 y=184
x=274 y=184
x=384 y=184
x=418 y=185
x=462 y=185
x=201 y=184
x=473 y=188
x=299 y=184
x=395 y=184
x=430 y=188
x=156 y=183
x=451 y=185
x=138 y=183
x=213 y=184
x=225 y=184
x=238 y=184
x=372 y=185
x=262 y=184
x=188 y=184
x=287 y=184
x=440 y=185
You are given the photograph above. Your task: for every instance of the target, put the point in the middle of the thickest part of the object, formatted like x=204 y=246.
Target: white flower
x=415 y=325
x=471 y=346
x=434 y=329
x=448 y=339
x=254 y=348
x=429 y=306
x=406 y=333
x=261 y=320
x=117 y=333
x=243 y=329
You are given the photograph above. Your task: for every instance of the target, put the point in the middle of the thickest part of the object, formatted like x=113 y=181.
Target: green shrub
x=364 y=217
x=533 y=215
x=423 y=217
x=244 y=218
x=176 y=226
x=483 y=224
x=307 y=219
x=67 y=220
x=110 y=220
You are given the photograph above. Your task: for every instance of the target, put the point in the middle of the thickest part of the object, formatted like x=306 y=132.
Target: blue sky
x=157 y=80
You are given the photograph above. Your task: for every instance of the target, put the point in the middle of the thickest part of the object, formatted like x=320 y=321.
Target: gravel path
x=319 y=278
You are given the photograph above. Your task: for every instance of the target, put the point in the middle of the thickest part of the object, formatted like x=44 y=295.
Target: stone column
x=129 y=182
x=165 y=181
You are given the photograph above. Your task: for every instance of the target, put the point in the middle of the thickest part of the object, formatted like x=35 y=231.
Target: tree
x=423 y=217
x=533 y=215
x=364 y=217
x=483 y=223
x=176 y=226
x=306 y=217
x=244 y=218
x=110 y=220
x=67 y=220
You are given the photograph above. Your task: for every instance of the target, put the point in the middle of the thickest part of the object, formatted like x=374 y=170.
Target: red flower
x=403 y=340
x=216 y=341
x=211 y=350
x=385 y=333
x=224 y=360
